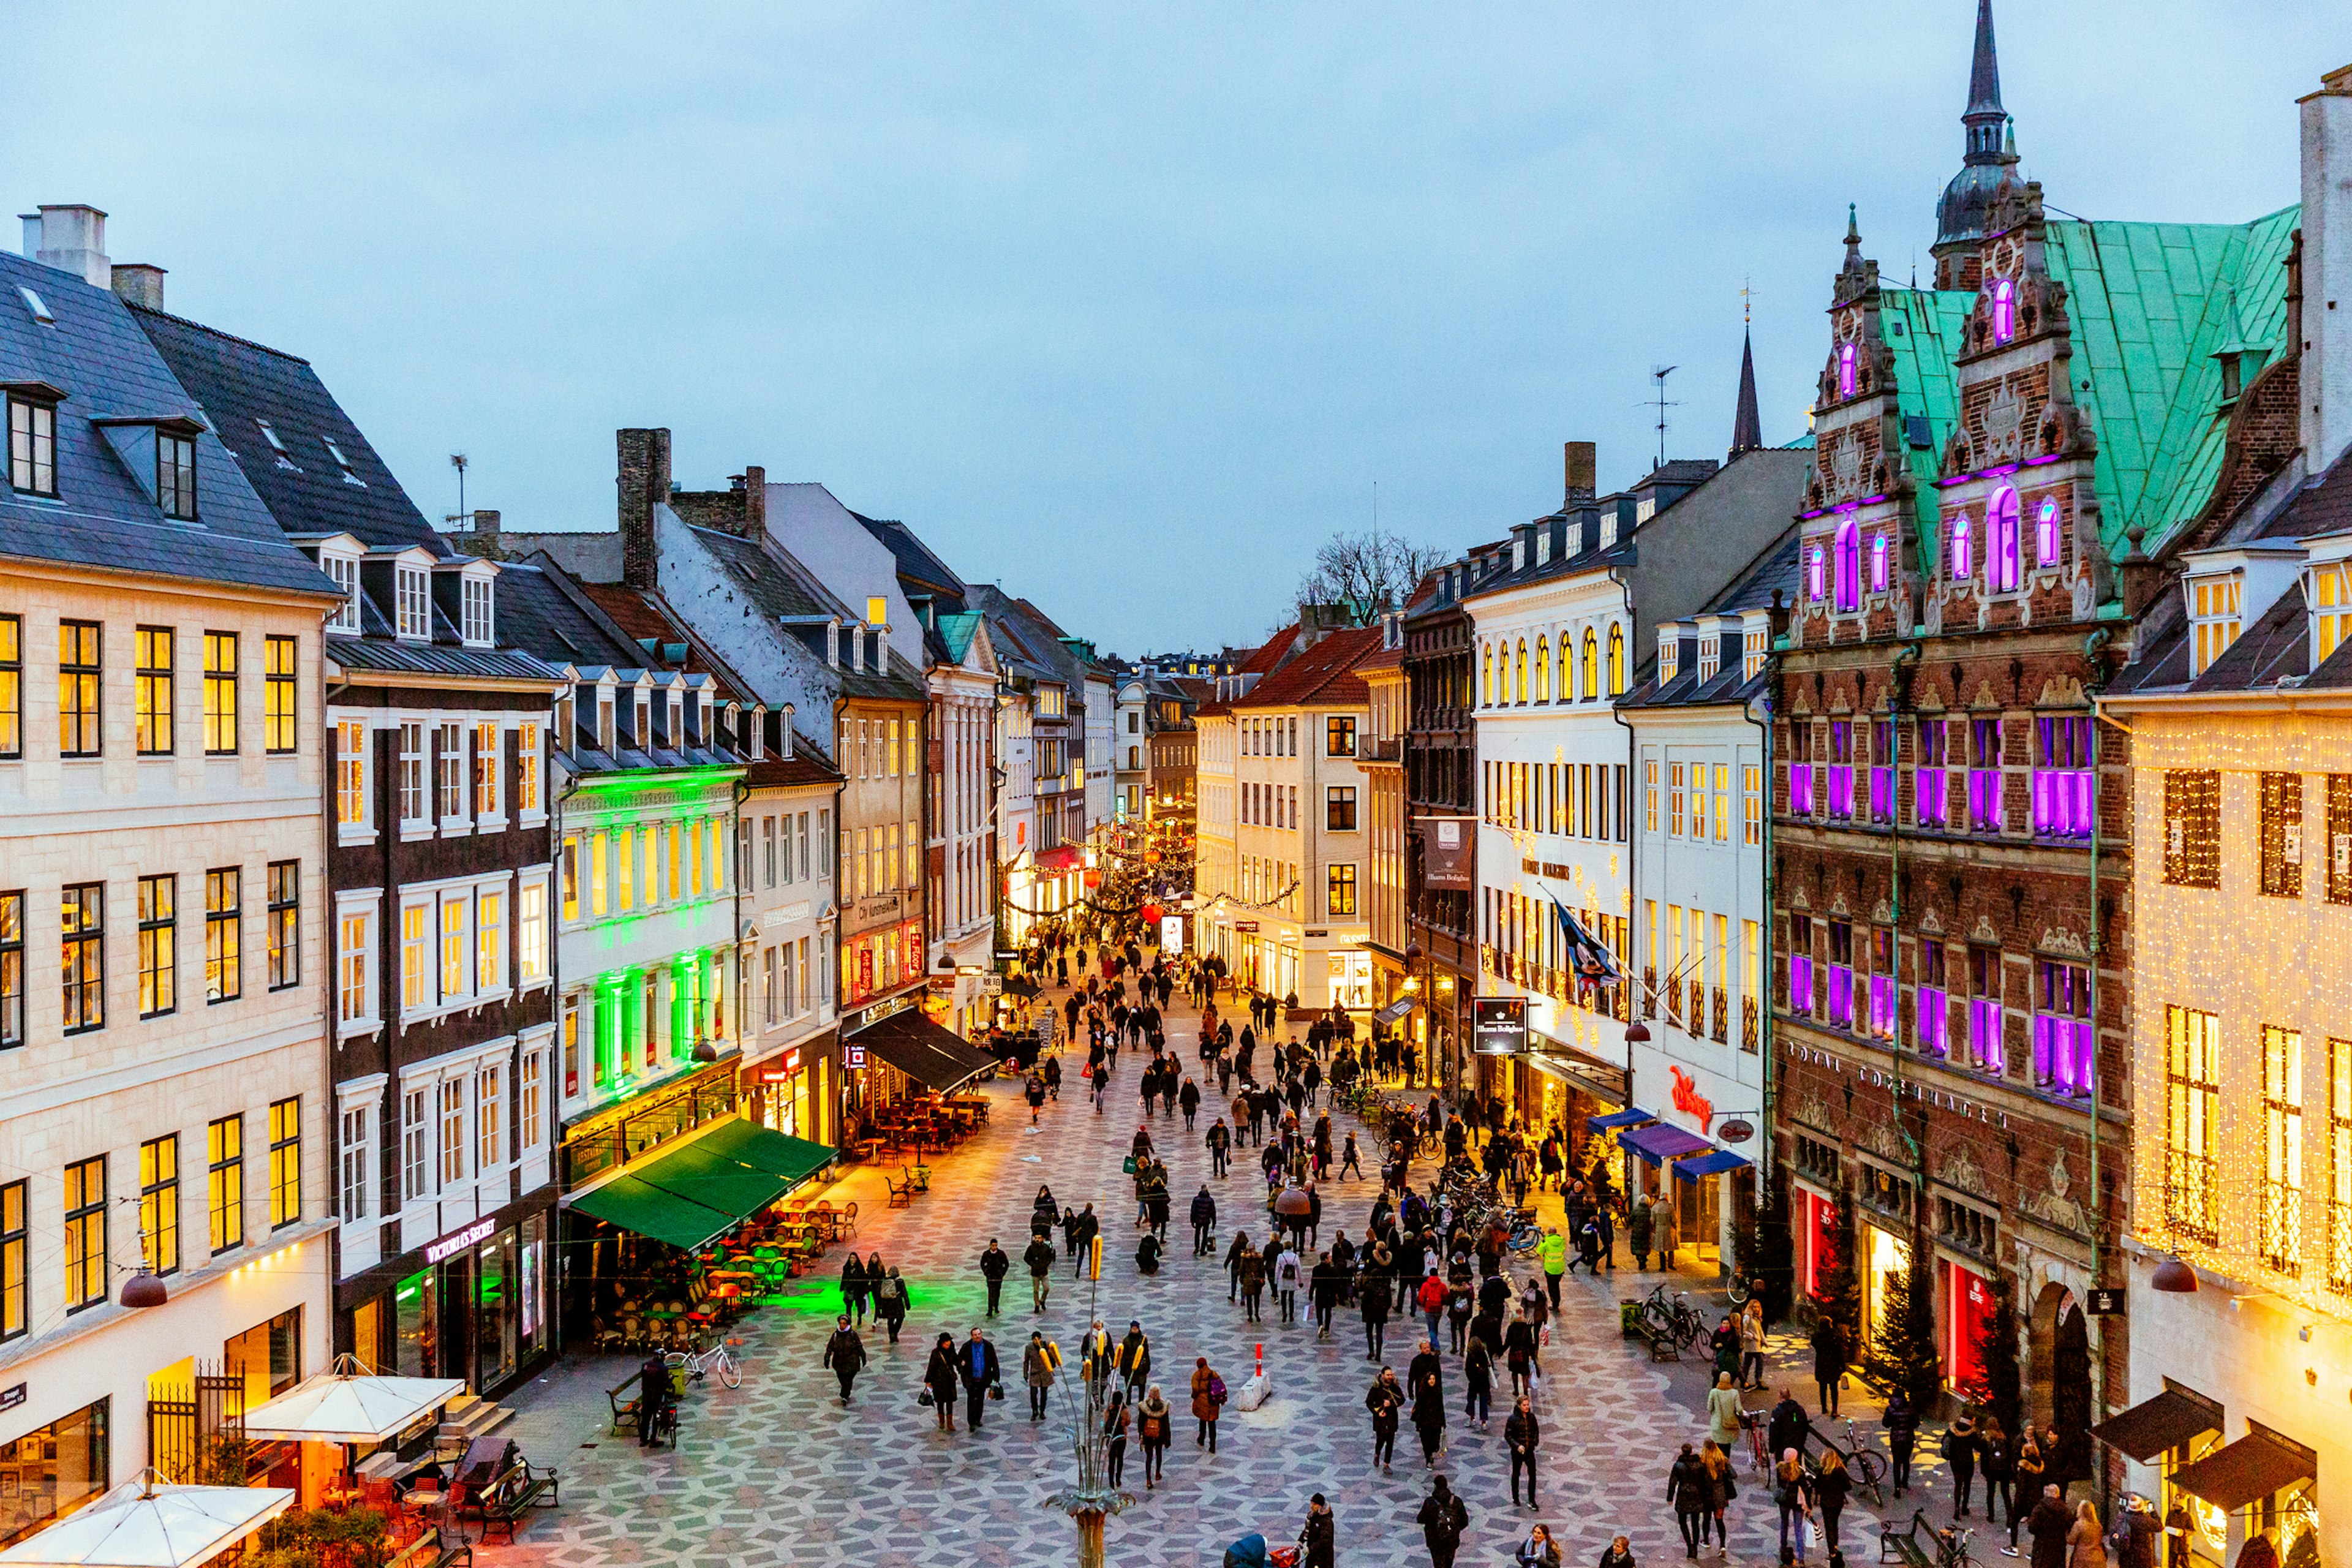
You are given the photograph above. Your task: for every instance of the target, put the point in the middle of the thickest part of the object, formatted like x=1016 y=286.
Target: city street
x=778 y=1470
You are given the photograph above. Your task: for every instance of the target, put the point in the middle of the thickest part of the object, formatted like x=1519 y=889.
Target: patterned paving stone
x=778 y=1472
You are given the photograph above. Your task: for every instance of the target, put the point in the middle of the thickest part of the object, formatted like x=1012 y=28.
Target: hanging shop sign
x=1446 y=853
x=1736 y=1130
x=853 y=1058
x=2105 y=1302
x=12 y=1396
x=1499 y=1023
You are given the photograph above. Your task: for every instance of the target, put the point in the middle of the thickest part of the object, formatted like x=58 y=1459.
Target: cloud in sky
x=1125 y=307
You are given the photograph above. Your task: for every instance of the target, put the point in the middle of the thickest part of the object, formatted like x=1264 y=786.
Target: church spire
x=1746 y=426
x=1984 y=69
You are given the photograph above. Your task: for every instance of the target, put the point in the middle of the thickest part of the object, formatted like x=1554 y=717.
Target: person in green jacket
x=1553 y=1250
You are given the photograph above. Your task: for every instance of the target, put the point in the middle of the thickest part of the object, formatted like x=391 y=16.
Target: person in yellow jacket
x=1553 y=1250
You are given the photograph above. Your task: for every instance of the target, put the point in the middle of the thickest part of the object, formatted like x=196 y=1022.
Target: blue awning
x=1659 y=1143
x=1633 y=1117
x=1715 y=1163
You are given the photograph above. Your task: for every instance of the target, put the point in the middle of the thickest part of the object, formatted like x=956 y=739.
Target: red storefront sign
x=1688 y=1100
x=1968 y=1314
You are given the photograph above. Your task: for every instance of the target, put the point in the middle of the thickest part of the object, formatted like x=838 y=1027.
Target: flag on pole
x=1588 y=957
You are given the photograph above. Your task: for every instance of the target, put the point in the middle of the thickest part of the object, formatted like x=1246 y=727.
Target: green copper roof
x=2151 y=303
x=1922 y=327
x=956 y=633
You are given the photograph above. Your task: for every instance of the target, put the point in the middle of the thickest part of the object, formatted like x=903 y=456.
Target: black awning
x=929 y=1055
x=2253 y=1467
x=2153 y=1426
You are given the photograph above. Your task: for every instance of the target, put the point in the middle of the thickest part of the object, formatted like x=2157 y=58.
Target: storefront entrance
x=480 y=1314
x=1883 y=1253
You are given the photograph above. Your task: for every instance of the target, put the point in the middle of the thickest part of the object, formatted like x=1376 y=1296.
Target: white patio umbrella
x=348 y=1403
x=147 y=1522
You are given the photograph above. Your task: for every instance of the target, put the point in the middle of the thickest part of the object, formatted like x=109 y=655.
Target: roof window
x=33 y=303
x=269 y=433
x=340 y=461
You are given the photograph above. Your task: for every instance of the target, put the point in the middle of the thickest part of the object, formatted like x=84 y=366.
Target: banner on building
x=1448 y=859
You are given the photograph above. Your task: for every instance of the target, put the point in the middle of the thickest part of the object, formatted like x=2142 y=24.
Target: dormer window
x=1753 y=646
x=702 y=719
x=642 y=729
x=1710 y=655
x=1608 y=528
x=1669 y=654
x=344 y=570
x=677 y=720
x=1543 y=547
x=604 y=723
x=2331 y=609
x=345 y=464
x=269 y=433
x=2213 y=607
x=412 y=602
x=2004 y=311
x=33 y=446
x=479 y=624
x=175 y=476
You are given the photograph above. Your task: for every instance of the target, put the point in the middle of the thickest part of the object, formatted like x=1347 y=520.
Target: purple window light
x=1962 y=562
x=2045 y=532
x=1931 y=1021
x=1845 y=371
x=1841 y=995
x=1800 y=983
x=1849 y=566
x=2004 y=311
x=1882 y=1005
x=1878 y=563
x=1984 y=1034
x=1801 y=788
x=1814 y=574
x=2001 y=558
x=1882 y=793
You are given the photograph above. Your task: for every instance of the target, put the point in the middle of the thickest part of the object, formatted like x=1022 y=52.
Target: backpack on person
x=1216 y=1389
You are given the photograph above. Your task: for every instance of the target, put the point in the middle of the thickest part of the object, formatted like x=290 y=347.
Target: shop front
x=792 y=1090
x=1813 y=1219
x=50 y=1471
x=1963 y=1317
x=471 y=1305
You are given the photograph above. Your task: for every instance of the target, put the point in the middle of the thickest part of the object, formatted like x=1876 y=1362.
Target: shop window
x=49 y=1473
x=269 y=1356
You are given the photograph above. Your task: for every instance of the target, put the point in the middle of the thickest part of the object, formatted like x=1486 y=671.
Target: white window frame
x=453 y=1134
x=2225 y=626
x=531 y=774
x=528 y=975
x=489 y=1097
x=453 y=779
x=413 y=604
x=414 y=782
x=490 y=966
x=531 y=1100
x=479 y=628
x=486 y=796
x=343 y=568
x=364 y=907
x=418 y=1164
x=426 y=948
x=355 y=1123
x=353 y=766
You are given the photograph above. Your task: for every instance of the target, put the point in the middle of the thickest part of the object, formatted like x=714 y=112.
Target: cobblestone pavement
x=778 y=1472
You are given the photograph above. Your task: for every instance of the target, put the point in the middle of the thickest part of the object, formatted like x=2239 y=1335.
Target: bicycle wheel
x=1869 y=1470
x=730 y=1370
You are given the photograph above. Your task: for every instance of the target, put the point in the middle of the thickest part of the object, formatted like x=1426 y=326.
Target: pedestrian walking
x=982 y=1378
x=1430 y=1296
x=939 y=1381
x=1204 y=1221
x=1751 y=1344
x=1285 y=1281
x=1189 y=1097
x=1151 y=1429
x=995 y=1264
x=1522 y=1434
x=1040 y=1360
x=1115 y=1427
x=1829 y=1360
x=1233 y=1265
x=1619 y=1555
x=1386 y=1401
x=1552 y=1250
x=2049 y=1525
x=1208 y=1400
x=1639 y=1224
x=1443 y=1518
x=1221 y=1147
x=1372 y=1302
x=1722 y=1486
x=1997 y=1458
x=2025 y=1489
x=1960 y=1454
x=891 y=1299
x=853 y=1287
x=1134 y=1358
x=1787 y=1427
x=1252 y=1274
x=845 y=1353
x=1902 y=1433
x=1034 y=1091
x=1689 y=1492
x=1539 y=1550
x=1317 y=1537
x=2085 y=1546
x=1520 y=1355
x=1428 y=1404
x=1793 y=1492
x=1832 y=1482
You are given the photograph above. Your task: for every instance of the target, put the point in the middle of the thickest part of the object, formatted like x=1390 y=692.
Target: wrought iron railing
x=1722 y=1014
x=2283 y=1227
x=1749 y=1027
x=2192 y=1197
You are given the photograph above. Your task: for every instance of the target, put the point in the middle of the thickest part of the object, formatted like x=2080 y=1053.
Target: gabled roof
x=1323 y=676
x=543 y=610
x=104 y=516
x=917 y=562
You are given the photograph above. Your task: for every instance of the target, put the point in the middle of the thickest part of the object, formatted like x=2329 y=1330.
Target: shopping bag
x=1128 y=1164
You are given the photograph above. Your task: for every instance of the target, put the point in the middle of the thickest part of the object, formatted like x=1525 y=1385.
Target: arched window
x=2045 y=532
x=1490 y=674
x=1849 y=565
x=1878 y=563
x=1592 y=665
x=1845 y=371
x=2004 y=311
x=1543 y=670
x=1963 y=561
x=1816 y=566
x=1616 y=660
x=2002 y=545
x=1521 y=695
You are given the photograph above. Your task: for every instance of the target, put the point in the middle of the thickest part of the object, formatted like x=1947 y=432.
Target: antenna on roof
x=457 y=461
x=1658 y=372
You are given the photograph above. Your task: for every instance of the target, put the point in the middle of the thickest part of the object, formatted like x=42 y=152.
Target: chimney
x=1582 y=462
x=2327 y=373
x=485 y=524
x=755 y=501
x=71 y=238
x=140 y=283
x=644 y=484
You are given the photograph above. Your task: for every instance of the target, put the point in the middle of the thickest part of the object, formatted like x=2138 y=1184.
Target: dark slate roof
x=787 y=590
x=395 y=657
x=917 y=562
x=240 y=384
x=104 y=516
x=542 y=611
x=1751 y=590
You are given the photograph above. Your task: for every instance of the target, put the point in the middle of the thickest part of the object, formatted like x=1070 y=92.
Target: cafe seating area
x=920 y=1125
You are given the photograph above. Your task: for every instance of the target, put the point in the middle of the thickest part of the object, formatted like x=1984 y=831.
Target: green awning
x=697 y=1191
x=639 y=1205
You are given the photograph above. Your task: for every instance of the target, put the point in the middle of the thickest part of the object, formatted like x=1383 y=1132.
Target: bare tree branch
x=1363 y=574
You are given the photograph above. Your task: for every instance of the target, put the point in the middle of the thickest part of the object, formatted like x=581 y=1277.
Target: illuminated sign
x=459 y=1240
x=1688 y=1100
x=1499 y=1025
x=853 y=1058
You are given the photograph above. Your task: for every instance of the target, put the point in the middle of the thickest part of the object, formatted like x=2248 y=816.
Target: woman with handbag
x=1722 y=1486
x=939 y=1381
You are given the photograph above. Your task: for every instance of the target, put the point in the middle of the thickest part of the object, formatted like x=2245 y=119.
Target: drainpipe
x=2094 y=681
x=1763 y=723
x=1906 y=657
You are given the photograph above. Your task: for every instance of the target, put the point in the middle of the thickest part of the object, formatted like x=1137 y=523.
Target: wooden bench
x=433 y=1550
x=515 y=1495
x=624 y=1412
x=901 y=1194
x=1903 y=1545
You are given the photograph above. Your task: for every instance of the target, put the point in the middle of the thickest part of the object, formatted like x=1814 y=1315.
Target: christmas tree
x=1998 y=1386
x=1902 y=1351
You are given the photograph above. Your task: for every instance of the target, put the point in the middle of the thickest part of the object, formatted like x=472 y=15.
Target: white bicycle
x=719 y=1357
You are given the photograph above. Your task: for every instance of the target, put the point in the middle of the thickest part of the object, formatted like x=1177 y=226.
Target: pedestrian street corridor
x=777 y=1471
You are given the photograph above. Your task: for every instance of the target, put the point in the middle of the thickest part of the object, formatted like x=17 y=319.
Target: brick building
x=1951 y=869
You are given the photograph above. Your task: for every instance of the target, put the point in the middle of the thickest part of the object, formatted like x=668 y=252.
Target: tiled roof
x=104 y=516
x=1324 y=675
x=537 y=612
x=804 y=766
x=393 y=657
x=917 y=562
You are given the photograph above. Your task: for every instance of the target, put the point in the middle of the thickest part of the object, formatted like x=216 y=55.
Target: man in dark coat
x=1040 y=1259
x=1317 y=1537
x=995 y=1264
x=1787 y=1427
x=654 y=1396
x=976 y=1364
x=1204 y=1220
x=845 y=1353
x=2048 y=1524
x=1443 y=1518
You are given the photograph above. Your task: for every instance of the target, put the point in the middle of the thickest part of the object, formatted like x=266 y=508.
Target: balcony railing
x=1722 y=1015
x=1381 y=748
x=1650 y=992
x=2193 y=1197
x=2283 y=1227
x=1751 y=1028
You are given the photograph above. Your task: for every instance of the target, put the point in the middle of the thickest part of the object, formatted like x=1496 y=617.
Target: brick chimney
x=755 y=501
x=1582 y=462
x=140 y=283
x=643 y=483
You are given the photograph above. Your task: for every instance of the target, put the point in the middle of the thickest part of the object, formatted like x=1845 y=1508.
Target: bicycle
x=1869 y=1469
x=719 y=1357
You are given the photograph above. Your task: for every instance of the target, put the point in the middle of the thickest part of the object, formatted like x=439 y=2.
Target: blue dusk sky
x=1124 y=307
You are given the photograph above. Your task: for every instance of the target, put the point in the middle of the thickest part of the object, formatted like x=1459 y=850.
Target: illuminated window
x=79 y=732
x=2339 y=839
x=2329 y=589
x=2193 y=1123
x=527 y=769
x=152 y=690
x=2213 y=619
x=1846 y=372
x=2004 y=311
x=1963 y=562
x=2048 y=540
x=85 y=1238
x=1816 y=573
x=1543 y=670
x=285 y=929
x=2281 y=801
x=1616 y=660
x=224 y=1181
x=159 y=945
x=285 y=1163
x=1674 y=795
x=2281 y=1212
x=14 y=1240
x=487 y=755
x=2339 y=1165
x=2192 y=827
x=12 y=686
x=354 y=966
x=1878 y=563
x=1340 y=891
x=416 y=959
x=278 y=695
x=1849 y=565
x=1520 y=683
x=453 y=1127
x=82 y=952
x=159 y=1204
x=1753 y=647
x=454 y=954
x=1649 y=795
x=489 y=942
x=2002 y=549
x=1751 y=789
x=1723 y=802
x=1592 y=686
x=489 y=1132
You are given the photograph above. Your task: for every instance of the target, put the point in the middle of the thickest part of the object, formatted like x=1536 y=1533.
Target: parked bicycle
x=1869 y=1470
x=1674 y=1318
x=719 y=1357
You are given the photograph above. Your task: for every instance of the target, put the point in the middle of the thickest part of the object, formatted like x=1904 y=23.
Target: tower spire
x=1984 y=67
x=1746 y=426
